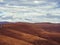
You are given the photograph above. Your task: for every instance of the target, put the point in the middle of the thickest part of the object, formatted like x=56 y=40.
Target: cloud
x=1 y=0
x=55 y=12
x=29 y=11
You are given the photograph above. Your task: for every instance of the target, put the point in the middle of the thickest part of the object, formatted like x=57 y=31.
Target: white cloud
x=1 y=0
x=37 y=2
x=21 y=13
x=55 y=12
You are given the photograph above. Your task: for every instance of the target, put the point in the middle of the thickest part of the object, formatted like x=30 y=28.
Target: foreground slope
x=29 y=34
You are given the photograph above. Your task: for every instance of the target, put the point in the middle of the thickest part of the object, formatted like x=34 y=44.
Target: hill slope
x=29 y=34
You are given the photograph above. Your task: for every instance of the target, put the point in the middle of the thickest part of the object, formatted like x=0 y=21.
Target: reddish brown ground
x=30 y=34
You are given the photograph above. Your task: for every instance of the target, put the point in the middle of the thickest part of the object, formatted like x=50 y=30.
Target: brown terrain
x=29 y=34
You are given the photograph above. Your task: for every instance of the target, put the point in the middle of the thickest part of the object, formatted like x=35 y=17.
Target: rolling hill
x=29 y=34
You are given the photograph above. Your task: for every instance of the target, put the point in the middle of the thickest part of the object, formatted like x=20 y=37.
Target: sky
x=30 y=11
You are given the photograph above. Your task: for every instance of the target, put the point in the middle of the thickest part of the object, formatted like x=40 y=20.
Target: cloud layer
x=30 y=11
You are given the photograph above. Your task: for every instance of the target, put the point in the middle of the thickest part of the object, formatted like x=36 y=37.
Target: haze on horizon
x=30 y=11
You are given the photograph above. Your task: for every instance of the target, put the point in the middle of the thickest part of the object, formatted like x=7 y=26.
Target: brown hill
x=29 y=34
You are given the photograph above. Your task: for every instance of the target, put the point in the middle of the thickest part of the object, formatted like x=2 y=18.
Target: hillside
x=29 y=34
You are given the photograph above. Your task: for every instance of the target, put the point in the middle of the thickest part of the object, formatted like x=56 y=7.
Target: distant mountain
x=3 y=22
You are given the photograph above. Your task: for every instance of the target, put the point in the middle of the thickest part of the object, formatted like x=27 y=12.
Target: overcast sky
x=30 y=11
